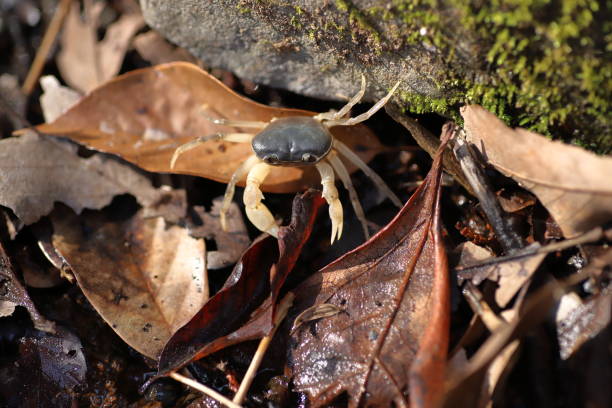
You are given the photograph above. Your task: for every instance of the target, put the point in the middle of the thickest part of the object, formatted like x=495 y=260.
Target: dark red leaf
x=246 y=297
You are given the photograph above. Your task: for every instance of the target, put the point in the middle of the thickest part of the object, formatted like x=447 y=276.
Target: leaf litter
x=244 y=308
x=145 y=124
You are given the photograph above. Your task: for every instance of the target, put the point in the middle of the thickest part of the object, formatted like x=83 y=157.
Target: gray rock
x=314 y=48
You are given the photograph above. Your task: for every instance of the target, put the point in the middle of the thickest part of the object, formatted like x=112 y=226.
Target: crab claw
x=330 y=194
x=259 y=215
x=335 y=214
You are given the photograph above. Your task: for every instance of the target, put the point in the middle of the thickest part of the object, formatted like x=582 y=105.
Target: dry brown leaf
x=231 y=243
x=388 y=345
x=84 y=62
x=144 y=115
x=578 y=321
x=144 y=278
x=464 y=385
x=510 y=276
x=12 y=294
x=573 y=184
x=36 y=171
x=56 y=99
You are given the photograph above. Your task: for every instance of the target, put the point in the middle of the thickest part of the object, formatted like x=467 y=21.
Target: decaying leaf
x=48 y=368
x=146 y=279
x=12 y=293
x=86 y=63
x=244 y=308
x=388 y=345
x=578 y=321
x=573 y=184
x=464 y=386
x=144 y=115
x=36 y=171
x=230 y=243
x=56 y=99
x=510 y=276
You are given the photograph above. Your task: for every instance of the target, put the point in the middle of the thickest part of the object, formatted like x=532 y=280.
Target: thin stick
x=508 y=238
x=204 y=389
x=593 y=235
x=281 y=312
x=45 y=46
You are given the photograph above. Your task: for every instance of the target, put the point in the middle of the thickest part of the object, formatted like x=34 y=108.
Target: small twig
x=428 y=142
x=594 y=235
x=281 y=312
x=508 y=238
x=480 y=307
x=204 y=389
x=45 y=46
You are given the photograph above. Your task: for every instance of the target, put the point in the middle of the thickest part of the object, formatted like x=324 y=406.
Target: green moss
x=357 y=17
x=544 y=67
x=295 y=23
x=242 y=9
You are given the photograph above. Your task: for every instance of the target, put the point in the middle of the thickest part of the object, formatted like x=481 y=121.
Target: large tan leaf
x=144 y=115
x=144 y=278
x=574 y=185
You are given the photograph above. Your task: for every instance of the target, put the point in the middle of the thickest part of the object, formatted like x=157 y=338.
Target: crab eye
x=271 y=159
x=309 y=158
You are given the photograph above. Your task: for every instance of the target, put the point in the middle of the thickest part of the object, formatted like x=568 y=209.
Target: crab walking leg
x=356 y=160
x=258 y=213
x=330 y=194
x=331 y=115
x=348 y=184
x=365 y=115
x=231 y=187
x=231 y=122
x=228 y=137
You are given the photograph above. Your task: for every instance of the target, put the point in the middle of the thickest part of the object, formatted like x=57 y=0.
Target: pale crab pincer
x=297 y=141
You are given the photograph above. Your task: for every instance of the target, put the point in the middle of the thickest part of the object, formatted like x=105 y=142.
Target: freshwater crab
x=297 y=141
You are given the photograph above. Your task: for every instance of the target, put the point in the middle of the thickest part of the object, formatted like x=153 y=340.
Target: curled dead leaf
x=244 y=309
x=389 y=344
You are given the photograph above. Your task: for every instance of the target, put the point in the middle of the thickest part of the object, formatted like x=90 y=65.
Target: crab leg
x=356 y=160
x=330 y=194
x=231 y=187
x=228 y=137
x=231 y=122
x=331 y=115
x=348 y=184
x=258 y=213
x=365 y=115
